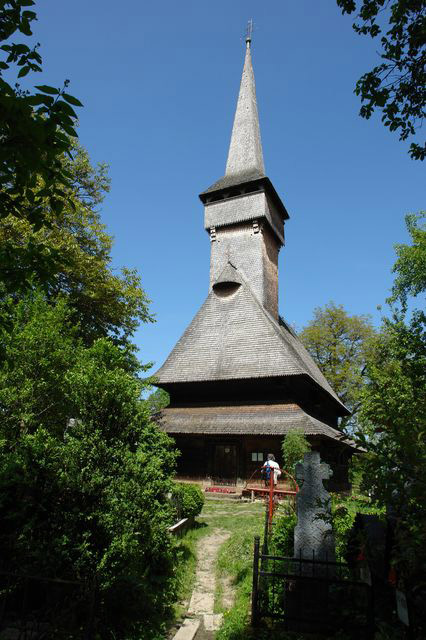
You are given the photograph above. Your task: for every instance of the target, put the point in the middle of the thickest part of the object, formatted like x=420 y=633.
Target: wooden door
x=225 y=464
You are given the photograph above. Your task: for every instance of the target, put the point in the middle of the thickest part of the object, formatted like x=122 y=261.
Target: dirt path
x=201 y=605
x=202 y=600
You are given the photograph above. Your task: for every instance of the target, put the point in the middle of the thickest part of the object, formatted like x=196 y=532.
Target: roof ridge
x=268 y=316
x=278 y=330
x=342 y=436
x=310 y=363
x=299 y=359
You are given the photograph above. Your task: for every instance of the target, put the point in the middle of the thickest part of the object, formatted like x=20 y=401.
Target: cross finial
x=249 y=32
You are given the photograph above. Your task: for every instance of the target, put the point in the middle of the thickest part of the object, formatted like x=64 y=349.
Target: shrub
x=82 y=500
x=343 y=513
x=294 y=447
x=282 y=540
x=188 y=499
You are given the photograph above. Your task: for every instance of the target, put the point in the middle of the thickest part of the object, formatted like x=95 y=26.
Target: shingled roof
x=269 y=419
x=233 y=337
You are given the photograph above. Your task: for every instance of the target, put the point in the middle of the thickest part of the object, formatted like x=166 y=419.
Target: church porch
x=223 y=459
x=235 y=461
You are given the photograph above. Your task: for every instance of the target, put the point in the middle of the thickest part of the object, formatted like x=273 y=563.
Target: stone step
x=188 y=629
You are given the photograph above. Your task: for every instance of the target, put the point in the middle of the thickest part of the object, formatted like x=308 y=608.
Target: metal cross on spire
x=249 y=32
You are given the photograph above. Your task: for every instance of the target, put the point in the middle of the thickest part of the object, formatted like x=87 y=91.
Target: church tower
x=239 y=378
x=243 y=213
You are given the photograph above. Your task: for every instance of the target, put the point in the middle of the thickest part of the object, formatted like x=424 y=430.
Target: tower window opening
x=226 y=289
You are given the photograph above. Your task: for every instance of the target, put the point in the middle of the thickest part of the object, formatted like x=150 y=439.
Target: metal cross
x=249 y=30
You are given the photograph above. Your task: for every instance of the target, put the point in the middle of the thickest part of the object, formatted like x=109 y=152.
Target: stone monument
x=313 y=535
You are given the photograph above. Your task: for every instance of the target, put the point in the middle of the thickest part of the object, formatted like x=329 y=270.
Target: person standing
x=271 y=466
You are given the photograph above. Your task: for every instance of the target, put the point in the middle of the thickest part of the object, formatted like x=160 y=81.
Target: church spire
x=245 y=157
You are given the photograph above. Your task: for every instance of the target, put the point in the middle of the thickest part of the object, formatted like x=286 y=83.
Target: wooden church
x=239 y=378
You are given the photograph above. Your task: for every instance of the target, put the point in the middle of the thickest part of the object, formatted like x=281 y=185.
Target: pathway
x=201 y=619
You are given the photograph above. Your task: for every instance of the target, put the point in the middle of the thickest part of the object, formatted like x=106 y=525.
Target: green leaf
x=39 y=98
x=66 y=108
x=19 y=48
x=70 y=131
x=46 y=89
x=3 y=65
x=23 y=72
x=72 y=100
x=25 y=28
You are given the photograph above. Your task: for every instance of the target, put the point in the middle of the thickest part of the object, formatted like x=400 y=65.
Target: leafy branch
x=403 y=98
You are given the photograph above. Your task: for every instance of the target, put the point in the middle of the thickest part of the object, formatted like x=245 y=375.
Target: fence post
x=255 y=587
x=265 y=535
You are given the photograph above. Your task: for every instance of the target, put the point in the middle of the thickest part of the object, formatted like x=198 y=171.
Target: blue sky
x=159 y=83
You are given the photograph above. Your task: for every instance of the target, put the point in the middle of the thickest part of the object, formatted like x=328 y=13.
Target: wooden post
x=271 y=498
x=255 y=587
x=265 y=536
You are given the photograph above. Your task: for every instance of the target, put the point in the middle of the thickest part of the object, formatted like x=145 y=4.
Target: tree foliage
x=294 y=447
x=157 y=400
x=339 y=344
x=410 y=266
x=84 y=474
x=393 y=411
x=35 y=128
x=397 y=86
x=83 y=499
x=69 y=253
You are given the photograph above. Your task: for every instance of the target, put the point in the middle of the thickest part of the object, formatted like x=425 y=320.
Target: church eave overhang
x=227 y=188
x=167 y=384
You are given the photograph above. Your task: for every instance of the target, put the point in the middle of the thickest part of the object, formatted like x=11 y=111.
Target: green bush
x=83 y=500
x=188 y=499
x=282 y=541
x=294 y=447
x=343 y=513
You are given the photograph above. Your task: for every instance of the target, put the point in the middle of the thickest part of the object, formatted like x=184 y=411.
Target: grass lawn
x=243 y=521
x=186 y=568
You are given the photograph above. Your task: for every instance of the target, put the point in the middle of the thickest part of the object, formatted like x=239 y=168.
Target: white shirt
x=276 y=467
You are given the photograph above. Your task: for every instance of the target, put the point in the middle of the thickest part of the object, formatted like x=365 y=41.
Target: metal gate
x=311 y=595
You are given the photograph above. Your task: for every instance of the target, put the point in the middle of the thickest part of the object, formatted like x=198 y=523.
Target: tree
x=397 y=86
x=69 y=253
x=410 y=267
x=34 y=127
x=294 y=447
x=84 y=474
x=392 y=415
x=82 y=500
x=157 y=400
x=339 y=344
